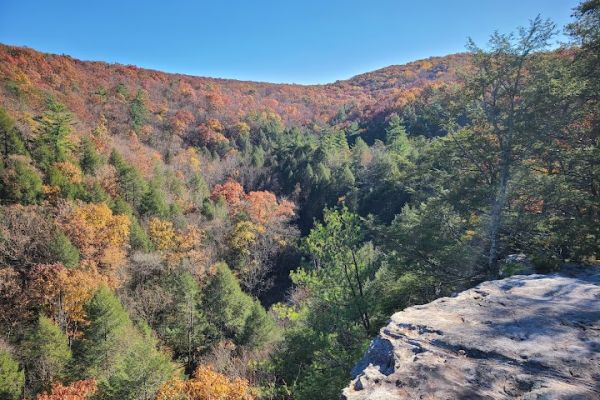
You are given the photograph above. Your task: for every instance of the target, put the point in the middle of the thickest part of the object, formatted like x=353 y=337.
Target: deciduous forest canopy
x=175 y=237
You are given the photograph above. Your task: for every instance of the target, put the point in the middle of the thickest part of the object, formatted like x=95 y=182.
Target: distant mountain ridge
x=92 y=88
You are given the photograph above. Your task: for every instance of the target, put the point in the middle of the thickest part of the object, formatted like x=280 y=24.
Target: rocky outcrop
x=525 y=337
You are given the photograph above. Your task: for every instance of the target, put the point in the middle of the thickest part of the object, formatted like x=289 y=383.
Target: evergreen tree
x=131 y=184
x=125 y=362
x=153 y=203
x=138 y=238
x=260 y=327
x=63 y=250
x=69 y=188
x=185 y=328
x=396 y=137
x=94 y=193
x=258 y=157
x=21 y=183
x=10 y=141
x=102 y=343
x=120 y=206
x=226 y=305
x=199 y=189
x=12 y=377
x=234 y=312
x=90 y=160
x=46 y=355
x=495 y=92
x=342 y=267
x=140 y=369
x=52 y=144
x=137 y=111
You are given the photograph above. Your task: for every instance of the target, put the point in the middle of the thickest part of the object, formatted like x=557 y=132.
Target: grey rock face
x=525 y=337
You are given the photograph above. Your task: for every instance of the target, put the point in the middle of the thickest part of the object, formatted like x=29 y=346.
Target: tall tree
x=234 y=312
x=90 y=160
x=497 y=89
x=21 y=182
x=10 y=141
x=99 y=347
x=53 y=144
x=46 y=354
x=185 y=327
x=124 y=360
x=140 y=369
x=12 y=377
x=137 y=110
x=341 y=266
x=131 y=184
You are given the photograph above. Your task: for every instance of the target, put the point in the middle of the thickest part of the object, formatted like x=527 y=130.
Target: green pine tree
x=185 y=327
x=137 y=111
x=131 y=184
x=138 y=238
x=46 y=355
x=63 y=250
x=53 y=144
x=97 y=352
x=90 y=160
x=10 y=141
x=260 y=327
x=227 y=306
x=12 y=377
x=153 y=203
x=140 y=369
x=21 y=182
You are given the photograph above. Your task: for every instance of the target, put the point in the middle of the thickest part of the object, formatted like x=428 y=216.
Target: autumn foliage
x=63 y=293
x=79 y=390
x=206 y=384
x=173 y=243
x=262 y=206
x=99 y=235
x=231 y=191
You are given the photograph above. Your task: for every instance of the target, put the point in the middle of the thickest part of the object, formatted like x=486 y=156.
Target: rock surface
x=524 y=337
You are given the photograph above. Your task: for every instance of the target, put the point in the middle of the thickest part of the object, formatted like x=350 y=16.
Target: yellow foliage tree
x=162 y=234
x=244 y=236
x=70 y=171
x=176 y=245
x=206 y=384
x=63 y=293
x=99 y=235
x=78 y=286
x=187 y=161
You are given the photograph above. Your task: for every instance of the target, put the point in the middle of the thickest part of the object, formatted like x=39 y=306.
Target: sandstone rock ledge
x=524 y=337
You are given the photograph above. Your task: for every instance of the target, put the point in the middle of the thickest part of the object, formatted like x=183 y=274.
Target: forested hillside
x=175 y=237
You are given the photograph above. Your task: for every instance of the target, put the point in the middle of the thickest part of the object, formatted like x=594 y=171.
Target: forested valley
x=170 y=237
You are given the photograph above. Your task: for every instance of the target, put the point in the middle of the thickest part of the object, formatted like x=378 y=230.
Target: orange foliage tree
x=211 y=132
x=262 y=207
x=232 y=192
x=78 y=390
x=206 y=384
x=62 y=293
x=180 y=121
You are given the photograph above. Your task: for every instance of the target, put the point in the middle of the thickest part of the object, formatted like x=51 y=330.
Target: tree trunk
x=496 y=214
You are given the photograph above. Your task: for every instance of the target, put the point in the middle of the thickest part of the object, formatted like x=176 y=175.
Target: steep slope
x=526 y=337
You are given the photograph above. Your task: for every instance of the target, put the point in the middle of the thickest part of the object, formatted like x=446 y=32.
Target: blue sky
x=308 y=41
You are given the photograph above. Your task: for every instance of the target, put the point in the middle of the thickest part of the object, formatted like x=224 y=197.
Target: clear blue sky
x=301 y=41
